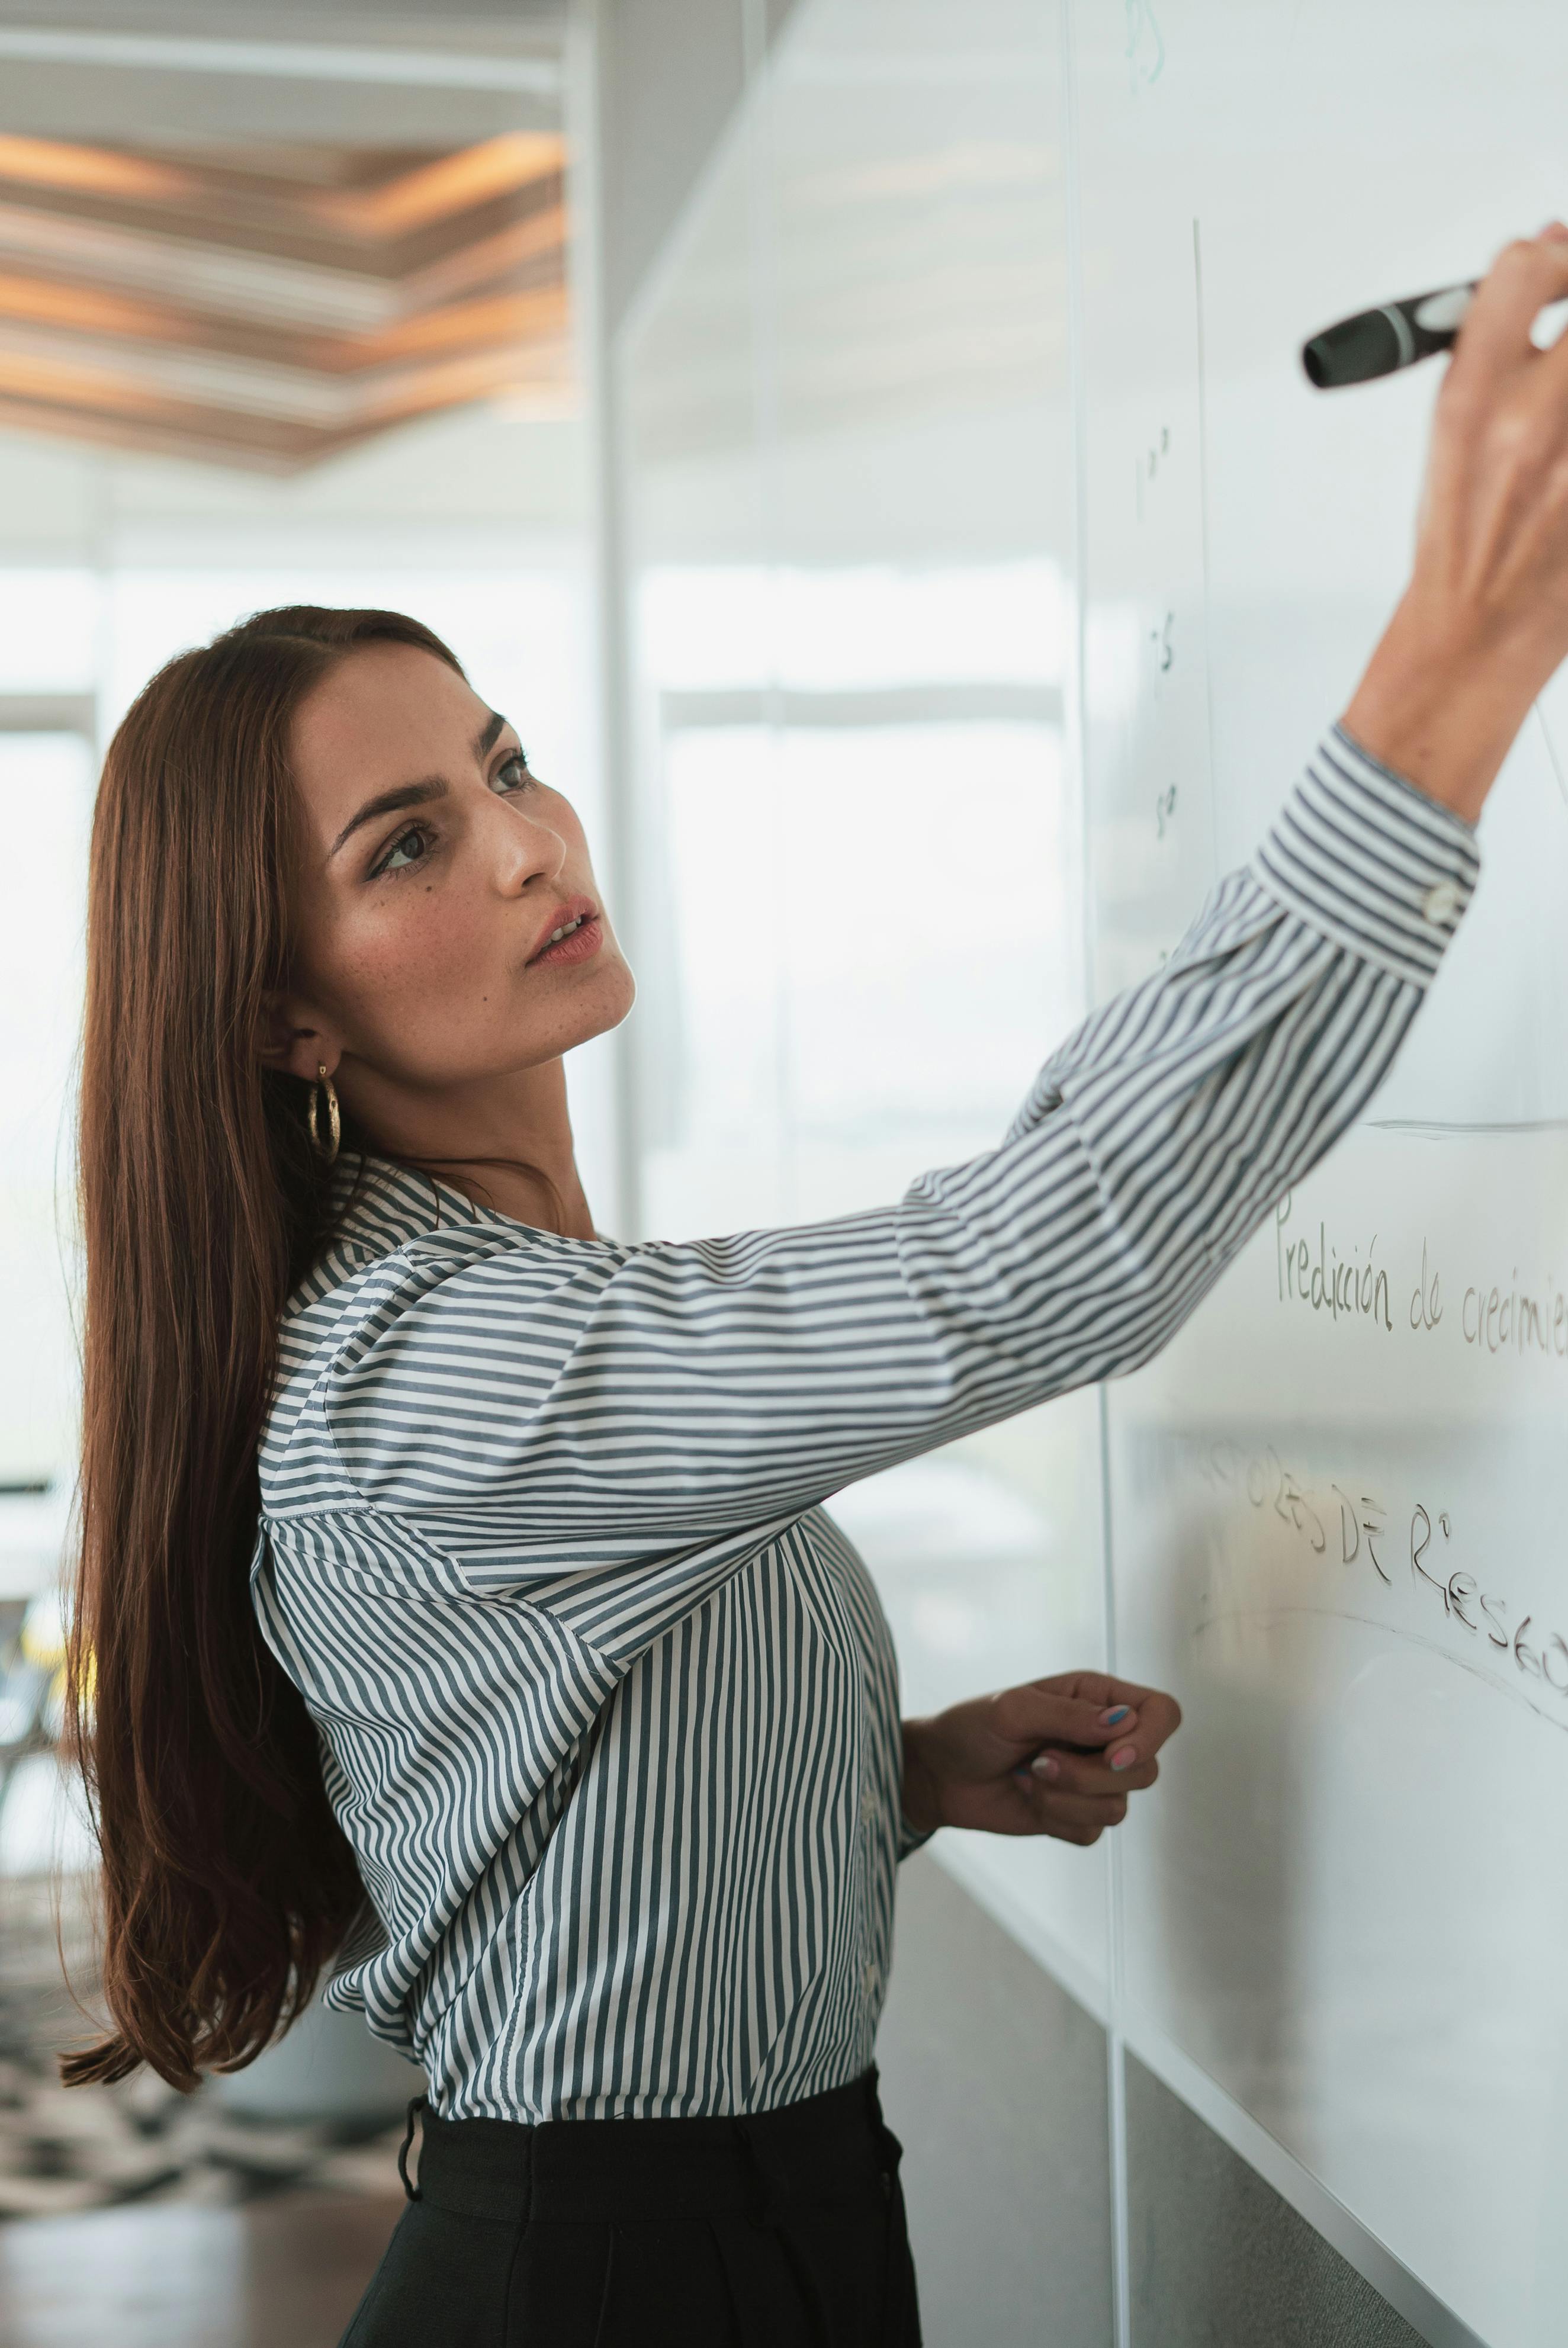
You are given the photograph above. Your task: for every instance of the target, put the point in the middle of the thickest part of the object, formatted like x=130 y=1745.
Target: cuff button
x=1441 y=903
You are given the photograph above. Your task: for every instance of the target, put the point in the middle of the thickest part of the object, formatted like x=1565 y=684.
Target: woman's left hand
x=1056 y=1757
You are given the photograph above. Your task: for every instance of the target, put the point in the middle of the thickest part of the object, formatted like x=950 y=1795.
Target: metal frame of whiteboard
x=1130 y=2031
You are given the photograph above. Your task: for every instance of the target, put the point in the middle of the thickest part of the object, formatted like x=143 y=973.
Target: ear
x=295 y=1041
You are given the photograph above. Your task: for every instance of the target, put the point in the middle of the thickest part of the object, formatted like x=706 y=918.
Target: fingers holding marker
x=1153 y=1718
x=1095 y=1741
x=1121 y=1754
x=1090 y=1774
x=1038 y=1713
x=1526 y=276
x=1551 y=359
x=1158 y=1718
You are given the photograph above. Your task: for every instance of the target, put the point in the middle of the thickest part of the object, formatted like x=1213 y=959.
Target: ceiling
x=265 y=304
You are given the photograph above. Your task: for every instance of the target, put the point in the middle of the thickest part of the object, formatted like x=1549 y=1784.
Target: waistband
x=827 y=2147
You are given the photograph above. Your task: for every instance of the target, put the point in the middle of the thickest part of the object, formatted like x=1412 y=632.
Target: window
x=46 y=800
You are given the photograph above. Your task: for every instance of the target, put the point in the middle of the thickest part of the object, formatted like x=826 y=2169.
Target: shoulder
x=395 y=1232
x=423 y=1314
x=438 y=1323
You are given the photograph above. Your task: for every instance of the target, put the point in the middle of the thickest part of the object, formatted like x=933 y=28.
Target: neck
x=527 y=1122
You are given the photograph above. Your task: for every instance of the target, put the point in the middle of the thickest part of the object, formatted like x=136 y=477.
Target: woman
x=554 y=1709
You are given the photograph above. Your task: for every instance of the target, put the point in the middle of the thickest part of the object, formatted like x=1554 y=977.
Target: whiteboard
x=972 y=370
x=1337 y=1506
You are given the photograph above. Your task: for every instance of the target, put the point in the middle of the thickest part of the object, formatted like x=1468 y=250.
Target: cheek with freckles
x=424 y=973
x=429 y=985
x=434 y=987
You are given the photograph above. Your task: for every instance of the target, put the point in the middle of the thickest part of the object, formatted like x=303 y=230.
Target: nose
x=521 y=846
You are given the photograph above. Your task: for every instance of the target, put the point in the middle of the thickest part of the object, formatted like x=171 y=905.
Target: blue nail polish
x=1119 y=1714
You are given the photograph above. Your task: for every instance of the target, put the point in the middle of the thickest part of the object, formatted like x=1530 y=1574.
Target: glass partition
x=848 y=479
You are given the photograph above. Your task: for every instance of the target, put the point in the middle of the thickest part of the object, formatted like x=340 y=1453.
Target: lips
x=573 y=909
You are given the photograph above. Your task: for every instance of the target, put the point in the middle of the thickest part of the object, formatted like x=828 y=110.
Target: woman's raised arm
x=537 y=1404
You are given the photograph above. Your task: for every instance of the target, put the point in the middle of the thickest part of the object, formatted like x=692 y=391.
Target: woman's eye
x=512 y=770
x=412 y=837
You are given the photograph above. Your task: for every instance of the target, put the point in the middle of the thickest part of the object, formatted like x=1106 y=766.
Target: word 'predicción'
x=1350 y=1280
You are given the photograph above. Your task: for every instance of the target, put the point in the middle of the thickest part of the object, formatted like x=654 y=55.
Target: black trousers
x=778 y=2229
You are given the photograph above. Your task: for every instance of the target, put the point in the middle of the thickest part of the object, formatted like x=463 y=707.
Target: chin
x=606 y=1002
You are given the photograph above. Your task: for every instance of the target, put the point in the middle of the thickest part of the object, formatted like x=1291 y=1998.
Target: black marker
x=1380 y=342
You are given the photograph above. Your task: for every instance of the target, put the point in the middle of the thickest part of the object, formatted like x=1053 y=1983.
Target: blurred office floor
x=133 y=2217
x=64 y=2152
x=286 y=2273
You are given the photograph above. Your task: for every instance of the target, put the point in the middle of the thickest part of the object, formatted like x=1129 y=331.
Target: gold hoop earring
x=334 y=1123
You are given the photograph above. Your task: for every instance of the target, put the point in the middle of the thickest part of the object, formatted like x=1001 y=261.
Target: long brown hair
x=226 y=1883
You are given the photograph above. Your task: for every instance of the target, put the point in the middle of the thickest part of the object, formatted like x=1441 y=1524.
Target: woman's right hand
x=1483 y=623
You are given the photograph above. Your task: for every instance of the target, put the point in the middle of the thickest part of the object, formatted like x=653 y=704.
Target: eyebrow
x=428 y=786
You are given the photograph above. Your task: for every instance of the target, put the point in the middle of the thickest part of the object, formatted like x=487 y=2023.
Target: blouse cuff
x=1370 y=861
x=911 y=1838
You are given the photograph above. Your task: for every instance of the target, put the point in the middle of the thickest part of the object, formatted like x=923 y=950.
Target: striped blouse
x=607 y=1705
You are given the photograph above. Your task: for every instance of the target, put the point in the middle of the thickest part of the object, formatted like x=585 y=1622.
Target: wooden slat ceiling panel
x=267 y=307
